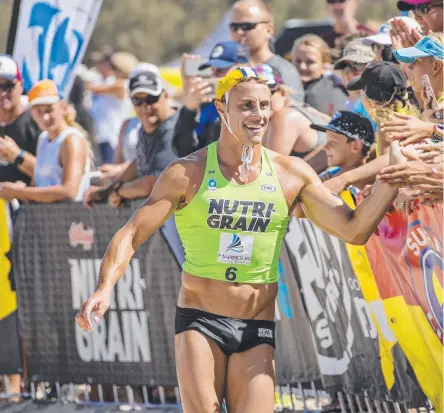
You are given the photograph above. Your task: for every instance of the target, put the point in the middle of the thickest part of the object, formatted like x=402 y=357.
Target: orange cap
x=43 y=93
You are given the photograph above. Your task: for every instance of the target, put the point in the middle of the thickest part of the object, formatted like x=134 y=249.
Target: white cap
x=8 y=68
x=144 y=67
x=383 y=35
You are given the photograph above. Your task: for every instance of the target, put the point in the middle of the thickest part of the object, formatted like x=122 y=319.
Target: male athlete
x=232 y=202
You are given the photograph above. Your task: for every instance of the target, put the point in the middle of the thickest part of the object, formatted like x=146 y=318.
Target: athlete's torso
x=234 y=232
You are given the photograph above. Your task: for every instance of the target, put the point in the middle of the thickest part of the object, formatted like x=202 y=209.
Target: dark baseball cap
x=351 y=125
x=145 y=81
x=227 y=54
x=379 y=80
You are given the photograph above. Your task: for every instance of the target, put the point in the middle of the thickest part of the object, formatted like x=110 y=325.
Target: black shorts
x=232 y=335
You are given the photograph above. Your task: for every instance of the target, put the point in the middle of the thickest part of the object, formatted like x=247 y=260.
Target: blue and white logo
x=236 y=245
x=52 y=37
x=212 y=184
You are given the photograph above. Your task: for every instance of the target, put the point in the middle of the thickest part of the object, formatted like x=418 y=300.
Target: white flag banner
x=51 y=39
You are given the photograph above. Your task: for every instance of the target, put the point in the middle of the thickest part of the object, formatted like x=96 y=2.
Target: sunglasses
x=148 y=100
x=245 y=27
x=7 y=87
x=336 y=1
x=426 y=7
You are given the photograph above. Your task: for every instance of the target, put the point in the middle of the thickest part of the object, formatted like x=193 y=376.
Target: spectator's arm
x=9 y=151
x=118 y=155
x=359 y=176
x=73 y=156
x=139 y=188
x=117 y=89
x=129 y=173
x=184 y=139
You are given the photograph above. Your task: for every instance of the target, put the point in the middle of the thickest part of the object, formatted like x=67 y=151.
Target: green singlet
x=234 y=232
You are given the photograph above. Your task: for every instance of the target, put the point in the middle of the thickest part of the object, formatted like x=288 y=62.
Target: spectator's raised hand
x=195 y=89
x=433 y=111
x=431 y=153
x=407 y=129
x=9 y=150
x=199 y=92
x=402 y=36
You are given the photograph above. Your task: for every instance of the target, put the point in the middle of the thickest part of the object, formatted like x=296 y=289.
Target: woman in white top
x=60 y=170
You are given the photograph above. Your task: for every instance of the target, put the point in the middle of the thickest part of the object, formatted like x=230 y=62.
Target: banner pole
x=13 y=27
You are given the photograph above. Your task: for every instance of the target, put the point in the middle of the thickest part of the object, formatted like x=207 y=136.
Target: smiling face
x=249 y=110
x=340 y=152
x=308 y=61
x=10 y=93
x=50 y=118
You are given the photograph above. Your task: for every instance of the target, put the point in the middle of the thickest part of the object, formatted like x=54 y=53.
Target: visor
x=217 y=63
x=380 y=38
x=227 y=83
x=426 y=47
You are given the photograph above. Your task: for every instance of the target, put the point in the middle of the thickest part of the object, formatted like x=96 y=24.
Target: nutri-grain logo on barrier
x=79 y=235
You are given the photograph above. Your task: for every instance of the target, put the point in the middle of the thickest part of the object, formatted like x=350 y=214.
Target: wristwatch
x=117 y=187
x=438 y=133
x=20 y=158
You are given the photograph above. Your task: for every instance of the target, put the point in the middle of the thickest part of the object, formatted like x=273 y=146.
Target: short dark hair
x=365 y=148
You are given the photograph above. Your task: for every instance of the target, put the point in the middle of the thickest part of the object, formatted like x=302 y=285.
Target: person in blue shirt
x=199 y=124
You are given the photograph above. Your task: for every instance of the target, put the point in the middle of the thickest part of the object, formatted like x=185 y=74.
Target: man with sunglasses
x=154 y=147
x=252 y=24
x=18 y=131
x=429 y=13
x=345 y=24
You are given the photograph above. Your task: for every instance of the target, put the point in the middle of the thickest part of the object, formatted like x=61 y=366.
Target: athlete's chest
x=257 y=207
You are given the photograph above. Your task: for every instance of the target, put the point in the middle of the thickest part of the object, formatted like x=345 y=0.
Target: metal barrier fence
x=289 y=398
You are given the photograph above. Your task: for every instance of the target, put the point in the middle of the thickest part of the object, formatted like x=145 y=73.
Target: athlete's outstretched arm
x=166 y=197
x=332 y=215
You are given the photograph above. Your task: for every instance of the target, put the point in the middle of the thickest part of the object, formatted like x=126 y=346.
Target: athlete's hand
x=98 y=303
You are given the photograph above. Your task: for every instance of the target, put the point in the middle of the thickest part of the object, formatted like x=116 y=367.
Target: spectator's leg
x=106 y=153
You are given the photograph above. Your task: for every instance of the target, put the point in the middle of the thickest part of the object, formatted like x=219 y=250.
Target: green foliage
x=159 y=31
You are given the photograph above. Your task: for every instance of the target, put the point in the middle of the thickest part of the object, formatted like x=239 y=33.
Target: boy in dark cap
x=349 y=138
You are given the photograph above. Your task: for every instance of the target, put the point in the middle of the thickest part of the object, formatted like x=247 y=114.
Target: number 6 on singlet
x=230 y=274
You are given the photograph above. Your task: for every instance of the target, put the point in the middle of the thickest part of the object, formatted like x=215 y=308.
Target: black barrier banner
x=324 y=327
x=9 y=338
x=296 y=358
x=344 y=332
x=58 y=254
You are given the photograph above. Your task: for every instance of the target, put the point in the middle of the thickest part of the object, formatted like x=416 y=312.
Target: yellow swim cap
x=232 y=79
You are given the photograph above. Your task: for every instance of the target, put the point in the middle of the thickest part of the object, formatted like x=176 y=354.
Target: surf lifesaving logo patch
x=423 y=255
x=235 y=249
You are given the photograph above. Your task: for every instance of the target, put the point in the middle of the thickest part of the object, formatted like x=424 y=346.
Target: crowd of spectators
x=339 y=103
